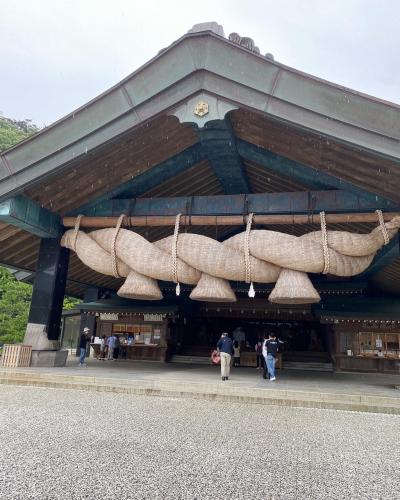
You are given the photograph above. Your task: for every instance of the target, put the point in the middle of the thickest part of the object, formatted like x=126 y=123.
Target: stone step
x=267 y=395
x=308 y=366
x=197 y=360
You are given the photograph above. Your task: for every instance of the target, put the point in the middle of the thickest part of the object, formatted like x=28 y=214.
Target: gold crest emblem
x=201 y=108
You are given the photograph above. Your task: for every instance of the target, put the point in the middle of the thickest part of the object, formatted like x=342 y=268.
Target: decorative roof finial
x=248 y=43
x=211 y=26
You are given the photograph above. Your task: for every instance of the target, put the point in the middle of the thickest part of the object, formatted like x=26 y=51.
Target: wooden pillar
x=89 y=320
x=43 y=329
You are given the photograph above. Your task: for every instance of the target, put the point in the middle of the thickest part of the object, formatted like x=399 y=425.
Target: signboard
x=109 y=316
x=154 y=317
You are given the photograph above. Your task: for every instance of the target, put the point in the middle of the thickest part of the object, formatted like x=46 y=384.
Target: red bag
x=215 y=357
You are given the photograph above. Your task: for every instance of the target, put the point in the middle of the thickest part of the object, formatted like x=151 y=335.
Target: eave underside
x=164 y=138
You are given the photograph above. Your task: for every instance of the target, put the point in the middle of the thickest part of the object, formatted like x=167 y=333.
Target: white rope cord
x=174 y=255
x=114 y=263
x=247 y=261
x=325 y=243
x=76 y=231
x=385 y=234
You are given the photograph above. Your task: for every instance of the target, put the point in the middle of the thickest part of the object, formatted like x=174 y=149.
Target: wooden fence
x=16 y=355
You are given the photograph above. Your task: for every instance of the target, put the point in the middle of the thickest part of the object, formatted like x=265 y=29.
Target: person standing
x=259 y=353
x=236 y=354
x=239 y=336
x=117 y=345
x=102 y=348
x=110 y=344
x=225 y=348
x=270 y=351
x=85 y=338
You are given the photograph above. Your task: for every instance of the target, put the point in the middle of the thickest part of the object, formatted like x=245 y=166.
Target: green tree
x=70 y=302
x=14 y=131
x=15 y=299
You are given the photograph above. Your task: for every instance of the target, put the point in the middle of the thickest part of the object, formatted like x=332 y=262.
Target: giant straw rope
x=260 y=256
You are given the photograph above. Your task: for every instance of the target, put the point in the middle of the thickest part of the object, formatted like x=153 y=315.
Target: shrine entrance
x=306 y=343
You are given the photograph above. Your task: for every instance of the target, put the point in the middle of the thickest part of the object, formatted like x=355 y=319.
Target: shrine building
x=214 y=189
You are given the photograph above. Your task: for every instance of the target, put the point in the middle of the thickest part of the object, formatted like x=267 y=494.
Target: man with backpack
x=270 y=352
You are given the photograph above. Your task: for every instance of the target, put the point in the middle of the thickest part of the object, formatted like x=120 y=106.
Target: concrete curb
x=214 y=392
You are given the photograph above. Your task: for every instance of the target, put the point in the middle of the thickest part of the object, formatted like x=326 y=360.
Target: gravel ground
x=60 y=444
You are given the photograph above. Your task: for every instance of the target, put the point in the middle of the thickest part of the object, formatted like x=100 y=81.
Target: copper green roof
x=203 y=65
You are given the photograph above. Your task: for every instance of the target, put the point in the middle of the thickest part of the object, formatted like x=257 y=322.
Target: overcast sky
x=55 y=55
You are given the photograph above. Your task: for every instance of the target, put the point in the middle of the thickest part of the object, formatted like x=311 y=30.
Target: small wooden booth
x=367 y=346
x=142 y=330
x=366 y=335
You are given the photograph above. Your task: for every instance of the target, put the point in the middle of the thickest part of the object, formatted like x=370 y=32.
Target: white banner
x=153 y=317
x=109 y=316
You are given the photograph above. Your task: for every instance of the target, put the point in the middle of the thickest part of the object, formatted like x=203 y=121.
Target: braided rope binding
x=382 y=224
x=114 y=263
x=76 y=231
x=247 y=261
x=174 y=255
x=325 y=243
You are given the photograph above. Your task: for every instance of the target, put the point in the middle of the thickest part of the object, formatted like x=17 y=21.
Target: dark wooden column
x=89 y=320
x=43 y=329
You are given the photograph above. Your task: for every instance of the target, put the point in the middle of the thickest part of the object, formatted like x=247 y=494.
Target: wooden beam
x=304 y=174
x=302 y=202
x=28 y=215
x=219 y=144
x=226 y=220
x=149 y=179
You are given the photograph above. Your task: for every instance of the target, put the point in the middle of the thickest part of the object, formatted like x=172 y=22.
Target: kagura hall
x=214 y=189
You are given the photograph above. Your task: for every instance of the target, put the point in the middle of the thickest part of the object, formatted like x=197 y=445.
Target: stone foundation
x=45 y=352
x=36 y=336
x=49 y=358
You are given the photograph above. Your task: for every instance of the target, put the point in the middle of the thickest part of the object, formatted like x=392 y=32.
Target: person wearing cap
x=225 y=348
x=85 y=337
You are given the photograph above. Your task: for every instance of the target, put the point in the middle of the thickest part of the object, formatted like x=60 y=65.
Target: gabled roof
x=277 y=117
x=205 y=65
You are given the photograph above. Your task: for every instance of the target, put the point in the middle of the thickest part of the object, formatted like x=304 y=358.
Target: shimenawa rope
x=76 y=231
x=114 y=263
x=382 y=224
x=174 y=255
x=325 y=244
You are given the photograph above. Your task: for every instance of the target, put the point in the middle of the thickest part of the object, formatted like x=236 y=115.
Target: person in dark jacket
x=85 y=338
x=270 y=350
x=225 y=348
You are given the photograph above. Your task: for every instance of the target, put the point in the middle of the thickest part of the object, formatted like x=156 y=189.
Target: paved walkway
x=295 y=380
x=347 y=391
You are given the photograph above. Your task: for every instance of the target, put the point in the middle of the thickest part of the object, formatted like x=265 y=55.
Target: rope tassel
x=247 y=261
x=174 y=255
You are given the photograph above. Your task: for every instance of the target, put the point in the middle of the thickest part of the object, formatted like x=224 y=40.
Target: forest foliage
x=15 y=296
x=14 y=131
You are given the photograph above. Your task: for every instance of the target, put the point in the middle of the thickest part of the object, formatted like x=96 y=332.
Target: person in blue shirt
x=225 y=348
